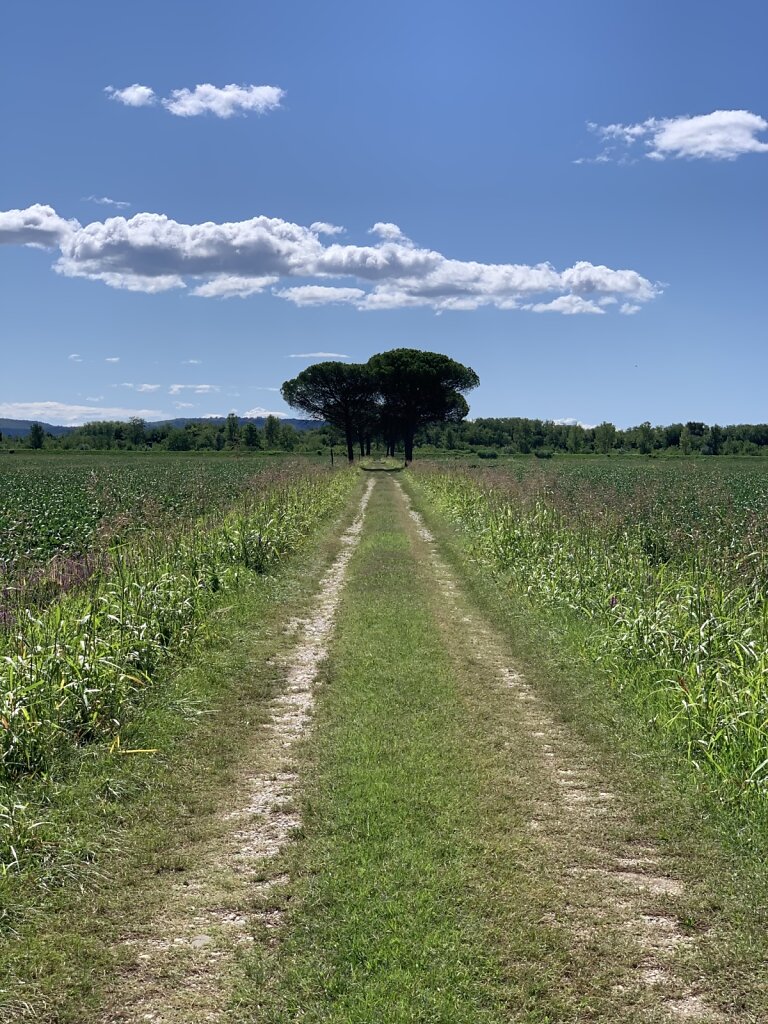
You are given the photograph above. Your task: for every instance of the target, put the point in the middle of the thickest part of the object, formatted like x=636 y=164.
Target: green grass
x=405 y=901
x=666 y=566
x=718 y=850
x=116 y=826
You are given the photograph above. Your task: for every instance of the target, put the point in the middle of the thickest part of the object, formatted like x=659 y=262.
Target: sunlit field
x=666 y=564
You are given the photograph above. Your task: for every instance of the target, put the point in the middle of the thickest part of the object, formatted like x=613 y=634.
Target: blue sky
x=608 y=272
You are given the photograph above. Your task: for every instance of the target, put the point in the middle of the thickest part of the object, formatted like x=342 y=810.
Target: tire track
x=617 y=890
x=179 y=969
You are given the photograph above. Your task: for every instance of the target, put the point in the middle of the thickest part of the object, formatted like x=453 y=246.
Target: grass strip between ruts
x=388 y=919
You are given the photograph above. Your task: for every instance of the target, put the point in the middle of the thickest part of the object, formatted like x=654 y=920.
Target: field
x=668 y=566
x=108 y=569
x=277 y=741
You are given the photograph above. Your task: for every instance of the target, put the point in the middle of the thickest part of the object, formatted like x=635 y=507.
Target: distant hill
x=20 y=428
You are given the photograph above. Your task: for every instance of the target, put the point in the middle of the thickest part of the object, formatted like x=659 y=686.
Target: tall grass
x=667 y=571
x=72 y=673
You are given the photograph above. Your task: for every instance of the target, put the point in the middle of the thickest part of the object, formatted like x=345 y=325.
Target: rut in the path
x=180 y=967
x=631 y=892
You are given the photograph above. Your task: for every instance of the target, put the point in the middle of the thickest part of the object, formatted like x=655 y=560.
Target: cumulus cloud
x=71 y=415
x=223 y=102
x=257 y=412
x=133 y=95
x=321 y=227
x=149 y=252
x=567 y=304
x=191 y=362
x=320 y=295
x=227 y=286
x=106 y=201
x=571 y=421
x=75 y=357
x=390 y=233
x=38 y=225
x=112 y=359
x=721 y=135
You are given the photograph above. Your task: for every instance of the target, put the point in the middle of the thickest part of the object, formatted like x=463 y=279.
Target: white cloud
x=112 y=359
x=629 y=308
x=390 y=233
x=227 y=286
x=317 y=355
x=223 y=102
x=38 y=225
x=320 y=295
x=258 y=411
x=197 y=389
x=721 y=135
x=191 y=362
x=71 y=415
x=571 y=421
x=567 y=304
x=133 y=95
x=106 y=201
x=151 y=253
x=321 y=227
x=75 y=357
x=148 y=387
x=184 y=405
x=95 y=398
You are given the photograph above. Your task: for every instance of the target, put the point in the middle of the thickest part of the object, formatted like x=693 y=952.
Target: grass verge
x=124 y=822
x=720 y=853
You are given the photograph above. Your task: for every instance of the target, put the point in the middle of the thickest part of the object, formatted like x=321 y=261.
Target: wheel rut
x=179 y=968
x=618 y=888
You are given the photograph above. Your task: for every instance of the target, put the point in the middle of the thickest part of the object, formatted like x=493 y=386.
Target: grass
x=386 y=928
x=719 y=851
x=418 y=892
x=119 y=825
x=667 y=567
x=72 y=673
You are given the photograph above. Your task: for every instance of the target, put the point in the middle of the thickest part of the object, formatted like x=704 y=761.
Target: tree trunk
x=362 y=448
x=367 y=446
x=350 y=444
x=408 y=445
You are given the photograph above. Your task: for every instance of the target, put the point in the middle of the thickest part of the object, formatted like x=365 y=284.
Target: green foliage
x=36 y=436
x=70 y=673
x=668 y=565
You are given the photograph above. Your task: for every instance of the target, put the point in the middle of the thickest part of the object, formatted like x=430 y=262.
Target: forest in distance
x=486 y=437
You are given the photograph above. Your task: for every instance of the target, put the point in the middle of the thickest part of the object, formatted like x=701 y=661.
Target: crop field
x=108 y=568
x=56 y=514
x=664 y=565
x=307 y=737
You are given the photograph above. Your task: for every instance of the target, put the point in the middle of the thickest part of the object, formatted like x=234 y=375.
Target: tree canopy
x=339 y=393
x=391 y=396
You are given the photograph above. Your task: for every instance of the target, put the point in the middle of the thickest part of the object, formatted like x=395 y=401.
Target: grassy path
x=463 y=857
x=412 y=831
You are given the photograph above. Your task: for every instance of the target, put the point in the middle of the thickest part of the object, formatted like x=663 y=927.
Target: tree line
x=522 y=436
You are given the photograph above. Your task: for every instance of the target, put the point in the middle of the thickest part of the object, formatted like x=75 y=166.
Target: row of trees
x=391 y=397
x=517 y=435
x=196 y=435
